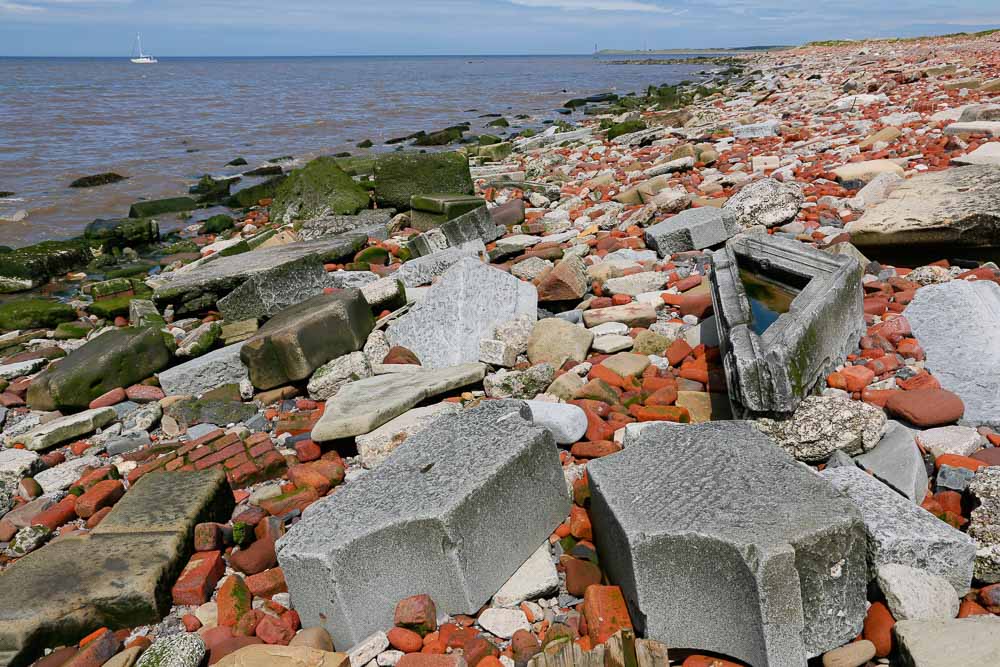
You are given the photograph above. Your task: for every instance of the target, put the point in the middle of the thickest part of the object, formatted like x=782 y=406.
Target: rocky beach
x=705 y=376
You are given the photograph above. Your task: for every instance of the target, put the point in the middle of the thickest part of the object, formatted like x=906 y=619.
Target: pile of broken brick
x=653 y=386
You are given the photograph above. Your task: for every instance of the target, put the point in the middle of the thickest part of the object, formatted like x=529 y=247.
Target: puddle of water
x=769 y=299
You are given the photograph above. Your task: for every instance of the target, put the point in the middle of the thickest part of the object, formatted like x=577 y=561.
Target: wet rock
x=765 y=202
x=300 y=339
x=808 y=540
x=822 y=424
x=30 y=266
x=957 y=324
x=418 y=500
x=900 y=532
x=96 y=180
x=118 y=358
x=148 y=209
x=361 y=407
x=471 y=298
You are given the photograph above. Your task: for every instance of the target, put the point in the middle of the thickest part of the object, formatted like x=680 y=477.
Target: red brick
x=209 y=536
x=236 y=461
x=233 y=600
x=199 y=453
x=307 y=450
x=173 y=465
x=606 y=613
x=257 y=438
x=108 y=398
x=267 y=583
x=274 y=631
x=56 y=515
x=261 y=448
x=198 y=579
x=101 y=495
x=97 y=651
x=141 y=393
x=430 y=660
x=208 y=437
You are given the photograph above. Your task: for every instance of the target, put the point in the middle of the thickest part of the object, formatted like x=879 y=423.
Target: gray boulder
x=765 y=202
x=958 y=326
x=896 y=461
x=300 y=339
x=471 y=298
x=788 y=547
x=693 y=229
x=204 y=373
x=822 y=424
x=900 y=532
x=453 y=513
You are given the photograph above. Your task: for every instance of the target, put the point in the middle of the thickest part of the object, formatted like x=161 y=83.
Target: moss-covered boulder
x=72 y=330
x=441 y=137
x=496 y=152
x=628 y=127
x=122 y=232
x=237 y=162
x=399 y=176
x=211 y=190
x=34 y=314
x=319 y=188
x=33 y=265
x=499 y=122
x=95 y=180
x=146 y=209
x=118 y=358
x=367 y=143
x=217 y=224
x=252 y=195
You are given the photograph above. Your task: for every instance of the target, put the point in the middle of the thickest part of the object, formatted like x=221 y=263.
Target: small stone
x=855 y=654
x=912 y=593
x=180 y=650
x=503 y=623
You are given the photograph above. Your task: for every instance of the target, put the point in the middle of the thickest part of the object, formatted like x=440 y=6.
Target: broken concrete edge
x=773 y=371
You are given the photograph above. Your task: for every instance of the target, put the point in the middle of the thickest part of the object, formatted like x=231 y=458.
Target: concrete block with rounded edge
x=900 y=532
x=721 y=541
x=453 y=513
x=303 y=337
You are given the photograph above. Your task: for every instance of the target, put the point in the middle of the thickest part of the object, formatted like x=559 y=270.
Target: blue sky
x=352 y=27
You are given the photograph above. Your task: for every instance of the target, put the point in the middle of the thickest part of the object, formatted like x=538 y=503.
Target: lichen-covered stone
x=822 y=424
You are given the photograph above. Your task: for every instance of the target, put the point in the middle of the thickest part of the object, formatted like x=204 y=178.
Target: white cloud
x=18 y=8
x=596 y=5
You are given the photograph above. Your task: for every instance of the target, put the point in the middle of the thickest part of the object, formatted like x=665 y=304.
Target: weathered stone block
x=118 y=358
x=471 y=298
x=900 y=532
x=204 y=373
x=422 y=270
x=693 y=229
x=721 y=561
x=453 y=513
x=772 y=368
x=399 y=176
x=266 y=295
x=67 y=428
x=300 y=339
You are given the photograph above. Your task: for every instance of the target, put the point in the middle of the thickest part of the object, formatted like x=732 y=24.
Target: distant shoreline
x=744 y=50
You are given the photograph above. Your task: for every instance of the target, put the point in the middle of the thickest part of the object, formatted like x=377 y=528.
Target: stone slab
x=422 y=270
x=453 y=513
x=375 y=447
x=958 y=326
x=67 y=428
x=204 y=373
x=959 y=206
x=687 y=521
x=900 y=532
x=535 y=578
x=118 y=576
x=985 y=154
x=990 y=128
x=896 y=461
x=264 y=295
x=959 y=642
x=693 y=229
x=60 y=477
x=199 y=287
x=461 y=309
x=361 y=407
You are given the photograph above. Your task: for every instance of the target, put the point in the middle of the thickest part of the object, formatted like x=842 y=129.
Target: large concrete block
x=422 y=270
x=204 y=373
x=693 y=229
x=454 y=512
x=300 y=339
x=771 y=368
x=477 y=224
x=722 y=542
x=267 y=294
x=118 y=576
x=958 y=325
x=900 y=532
x=471 y=298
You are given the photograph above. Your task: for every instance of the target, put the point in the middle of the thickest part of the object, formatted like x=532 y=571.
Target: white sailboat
x=142 y=59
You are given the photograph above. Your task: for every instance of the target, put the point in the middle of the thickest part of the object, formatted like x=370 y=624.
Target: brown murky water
x=164 y=125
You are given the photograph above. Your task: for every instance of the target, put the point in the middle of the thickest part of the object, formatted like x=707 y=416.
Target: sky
x=435 y=27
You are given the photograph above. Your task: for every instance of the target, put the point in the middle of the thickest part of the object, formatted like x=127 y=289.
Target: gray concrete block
x=957 y=642
x=900 y=532
x=264 y=295
x=463 y=308
x=454 y=512
x=958 y=325
x=422 y=270
x=774 y=369
x=204 y=373
x=896 y=461
x=693 y=229
x=721 y=541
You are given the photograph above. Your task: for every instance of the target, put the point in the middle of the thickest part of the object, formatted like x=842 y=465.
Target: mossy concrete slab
x=319 y=188
x=145 y=209
x=399 y=176
x=118 y=576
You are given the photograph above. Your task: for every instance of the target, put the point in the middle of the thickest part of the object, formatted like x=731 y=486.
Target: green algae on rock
x=34 y=313
x=399 y=176
x=319 y=188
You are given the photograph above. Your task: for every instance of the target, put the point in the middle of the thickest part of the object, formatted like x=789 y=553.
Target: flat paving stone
x=117 y=576
x=361 y=407
x=721 y=541
x=957 y=642
x=453 y=513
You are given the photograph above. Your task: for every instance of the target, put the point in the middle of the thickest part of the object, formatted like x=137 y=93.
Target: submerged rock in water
x=96 y=180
